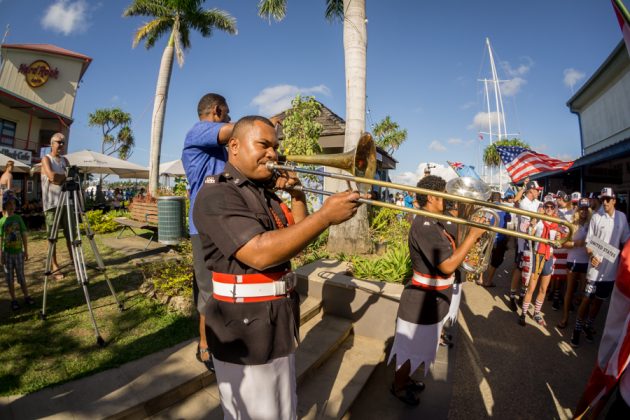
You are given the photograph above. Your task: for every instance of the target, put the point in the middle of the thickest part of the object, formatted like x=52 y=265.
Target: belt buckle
x=286 y=283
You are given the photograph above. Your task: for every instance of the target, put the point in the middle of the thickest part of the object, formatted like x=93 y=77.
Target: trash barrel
x=171 y=219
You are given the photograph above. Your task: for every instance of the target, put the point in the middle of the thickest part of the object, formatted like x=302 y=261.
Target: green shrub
x=173 y=277
x=393 y=266
x=103 y=222
x=389 y=226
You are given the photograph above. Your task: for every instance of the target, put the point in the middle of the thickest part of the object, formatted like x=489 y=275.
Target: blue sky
x=424 y=62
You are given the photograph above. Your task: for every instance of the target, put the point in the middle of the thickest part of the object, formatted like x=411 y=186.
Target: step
x=328 y=392
x=135 y=390
x=321 y=336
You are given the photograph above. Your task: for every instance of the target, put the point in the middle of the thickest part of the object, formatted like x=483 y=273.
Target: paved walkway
x=496 y=368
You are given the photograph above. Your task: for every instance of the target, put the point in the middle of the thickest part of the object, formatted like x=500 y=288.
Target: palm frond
x=164 y=27
x=145 y=31
x=208 y=20
x=334 y=10
x=153 y=8
x=177 y=42
x=276 y=9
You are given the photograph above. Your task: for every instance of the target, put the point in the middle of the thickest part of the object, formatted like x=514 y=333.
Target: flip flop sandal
x=417 y=386
x=208 y=363
x=406 y=395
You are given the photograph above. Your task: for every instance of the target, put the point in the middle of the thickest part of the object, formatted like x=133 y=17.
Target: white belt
x=432 y=282
x=276 y=288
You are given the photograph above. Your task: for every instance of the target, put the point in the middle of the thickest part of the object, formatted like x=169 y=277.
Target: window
x=7 y=132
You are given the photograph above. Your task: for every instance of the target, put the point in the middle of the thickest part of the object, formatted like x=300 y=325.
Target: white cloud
x=275 y=99
x=412 y=178
x=572 y=76
x=66 y=17
x=566 y=157
x=513 y=86
x=454 y=141
x=437 y=146
x=521 y=70
x=480 y=121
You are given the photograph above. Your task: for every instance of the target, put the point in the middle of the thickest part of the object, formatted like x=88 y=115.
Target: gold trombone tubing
x=359 y=180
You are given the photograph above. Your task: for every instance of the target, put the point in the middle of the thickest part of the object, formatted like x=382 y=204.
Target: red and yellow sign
x=38 y=73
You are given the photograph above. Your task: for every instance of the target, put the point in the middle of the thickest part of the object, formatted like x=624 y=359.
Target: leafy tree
x=115 y=126
x=177 y=18
x=491 y=156
x=300 y=128
x=351 y=236
x=388 y=135
x=117 y=136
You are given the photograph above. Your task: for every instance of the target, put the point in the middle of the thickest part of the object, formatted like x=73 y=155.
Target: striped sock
x=579 y=325
x=525 y=307
x=537 y=307
x=589 y=323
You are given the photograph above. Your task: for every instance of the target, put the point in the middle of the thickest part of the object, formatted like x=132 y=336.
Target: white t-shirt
x=578 y=255
x=612 y=230
x=524 y=221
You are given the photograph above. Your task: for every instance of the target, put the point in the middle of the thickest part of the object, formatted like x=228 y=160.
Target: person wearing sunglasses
x=543 y=264
x=609 y=226
x=53 y=177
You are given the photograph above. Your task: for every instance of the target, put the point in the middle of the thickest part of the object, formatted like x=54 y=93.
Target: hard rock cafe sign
x=38 y=72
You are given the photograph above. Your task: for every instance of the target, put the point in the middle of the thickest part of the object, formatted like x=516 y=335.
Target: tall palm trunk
x=159 y=110
x=352 y=237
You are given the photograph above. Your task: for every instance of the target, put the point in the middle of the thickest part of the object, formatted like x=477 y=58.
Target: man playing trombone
x=248 y=237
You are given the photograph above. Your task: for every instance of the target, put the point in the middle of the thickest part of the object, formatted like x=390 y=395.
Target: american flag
x=521 y=163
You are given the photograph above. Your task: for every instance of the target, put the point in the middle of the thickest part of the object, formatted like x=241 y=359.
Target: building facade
x=38 y=86
x=602 y=106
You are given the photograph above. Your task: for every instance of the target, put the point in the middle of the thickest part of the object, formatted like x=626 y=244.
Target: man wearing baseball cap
x=611 y=227
x=529 y=194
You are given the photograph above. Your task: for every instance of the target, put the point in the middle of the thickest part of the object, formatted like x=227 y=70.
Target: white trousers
x=261 y=392
x=416 y=343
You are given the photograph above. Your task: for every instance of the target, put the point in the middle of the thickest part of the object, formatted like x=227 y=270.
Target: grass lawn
x=35 y=353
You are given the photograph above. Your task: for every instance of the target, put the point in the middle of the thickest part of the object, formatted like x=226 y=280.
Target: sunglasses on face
x=549 y=207
x=607 y=199
x=60 y=143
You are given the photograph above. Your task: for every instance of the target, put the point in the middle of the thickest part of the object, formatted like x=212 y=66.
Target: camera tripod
x=71 y=202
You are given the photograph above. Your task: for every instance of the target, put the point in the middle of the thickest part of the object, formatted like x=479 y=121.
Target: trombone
x=361 y=163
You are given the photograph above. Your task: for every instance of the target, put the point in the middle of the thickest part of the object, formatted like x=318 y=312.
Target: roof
x=614 y=151
x=16 y=102
x=332 y=124
x=607 y=63
x=52 y=49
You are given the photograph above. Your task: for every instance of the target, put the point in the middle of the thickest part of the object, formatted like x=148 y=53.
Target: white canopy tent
x=90 y=162
x=172 y=168
x=17 y=167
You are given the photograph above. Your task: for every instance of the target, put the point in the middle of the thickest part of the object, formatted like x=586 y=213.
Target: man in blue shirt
x=204 y=154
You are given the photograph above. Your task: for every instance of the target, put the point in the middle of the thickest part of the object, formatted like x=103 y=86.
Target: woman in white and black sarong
x=424 y=304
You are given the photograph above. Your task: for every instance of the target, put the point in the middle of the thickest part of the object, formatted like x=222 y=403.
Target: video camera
x=72 y=172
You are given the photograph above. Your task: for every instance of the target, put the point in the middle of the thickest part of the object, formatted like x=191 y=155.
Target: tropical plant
x=388 y=135
x=491 y=156
x=389 y=226
x=351 y=236
x=177 y=18
x=115 y=125
x=393 y=266
x=300 y=128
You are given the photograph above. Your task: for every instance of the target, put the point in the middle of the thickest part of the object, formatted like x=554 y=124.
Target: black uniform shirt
x=429 y=245
x=229 y=211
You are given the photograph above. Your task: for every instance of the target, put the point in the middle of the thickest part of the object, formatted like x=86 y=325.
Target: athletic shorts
x=202 y=287
x=599 y=289
x=574 y=267
x=543 y=267
x=498 y=253
x=49 y=216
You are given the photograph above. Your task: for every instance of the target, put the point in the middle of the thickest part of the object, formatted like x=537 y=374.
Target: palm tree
x=350 y=237
x=177 y=18
x=388 y=135
x=491 y=156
